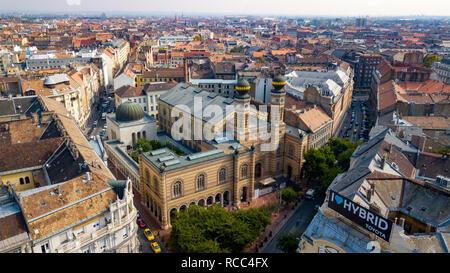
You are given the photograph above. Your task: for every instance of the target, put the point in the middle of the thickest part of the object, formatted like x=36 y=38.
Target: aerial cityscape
x=237 y=127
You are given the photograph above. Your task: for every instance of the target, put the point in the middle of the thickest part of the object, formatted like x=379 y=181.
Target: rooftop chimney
x=383 y=162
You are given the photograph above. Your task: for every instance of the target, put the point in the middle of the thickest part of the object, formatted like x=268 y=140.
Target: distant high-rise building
x=361 y=22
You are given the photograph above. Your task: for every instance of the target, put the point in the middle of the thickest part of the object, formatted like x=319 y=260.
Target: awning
x=267 y=181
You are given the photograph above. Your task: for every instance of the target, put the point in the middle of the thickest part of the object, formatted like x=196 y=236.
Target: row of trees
x=324 y=164
x=216 y=230
x=145 y=146
x=237 y=49
x=430 y=59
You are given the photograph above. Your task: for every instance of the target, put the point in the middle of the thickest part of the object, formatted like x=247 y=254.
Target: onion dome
x=129 y=111
x=243 y=89
x=278 y=83
x=118 y=187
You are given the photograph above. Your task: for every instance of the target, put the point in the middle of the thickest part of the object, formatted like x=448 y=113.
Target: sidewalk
x=161 y=235
x=278 y=221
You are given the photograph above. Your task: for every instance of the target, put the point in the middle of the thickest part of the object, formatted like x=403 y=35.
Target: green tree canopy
x=288 y=242
x=147 y=146
x=317 y=161
x=430 y=59
x=289 y=195
x=216 y=230
x=343 y=150
x=324 y=164
x=237 y=49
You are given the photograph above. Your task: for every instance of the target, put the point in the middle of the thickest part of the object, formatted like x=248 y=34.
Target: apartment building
x=83 y=209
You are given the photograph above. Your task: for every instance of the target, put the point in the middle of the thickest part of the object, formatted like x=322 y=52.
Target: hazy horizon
x=343 y=8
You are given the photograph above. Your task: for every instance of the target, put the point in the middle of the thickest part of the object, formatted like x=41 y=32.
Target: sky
x=239 y=7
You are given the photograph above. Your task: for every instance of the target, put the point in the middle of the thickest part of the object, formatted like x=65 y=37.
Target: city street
x=144 y=246
x=354 y=124
x=96 y=130
x=305 y=212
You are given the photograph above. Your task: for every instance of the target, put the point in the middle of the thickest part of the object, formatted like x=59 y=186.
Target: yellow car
x=355 y=131
x=155 y=247
x=149 y=235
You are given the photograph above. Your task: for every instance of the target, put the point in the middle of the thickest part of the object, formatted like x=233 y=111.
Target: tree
x=327 y=179
x=430 y=59
x=143 y=144
x=198 y=38
x=343 y=150
x=215 y=230
x=317 y=161
x=288 y=242
x=444 y=151
x=237 y=49
x=289 y=195
x=135 y=156
x=324 y=164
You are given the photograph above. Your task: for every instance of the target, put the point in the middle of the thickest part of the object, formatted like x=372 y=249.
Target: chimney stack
x=383 y=162
x=186 y=71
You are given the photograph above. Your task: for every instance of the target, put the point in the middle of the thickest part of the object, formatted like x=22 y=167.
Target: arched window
x=222 y=175
x=244 y=171
x=177 y=191
x=22 y=181
x=156 y=185
x=291 y=150
x=258 y=171
x=200 y=182
x=147 y=177
x=27 y=180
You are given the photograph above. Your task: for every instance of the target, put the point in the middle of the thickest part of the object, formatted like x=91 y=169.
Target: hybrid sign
x=368 y=220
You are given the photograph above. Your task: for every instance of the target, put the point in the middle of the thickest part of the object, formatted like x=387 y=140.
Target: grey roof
x=295 y=132
x=184 y=94
x=338 y=232
x=349 y=182
x=22 y=105
x=388 y=135
x=329 y=84
x=426 y=204
x=160 y=159
x=56 y=79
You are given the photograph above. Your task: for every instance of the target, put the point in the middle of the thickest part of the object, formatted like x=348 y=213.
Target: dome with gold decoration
x=278 y=83
x=243 y=89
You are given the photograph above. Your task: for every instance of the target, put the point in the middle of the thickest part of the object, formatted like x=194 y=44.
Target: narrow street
x=305 y=213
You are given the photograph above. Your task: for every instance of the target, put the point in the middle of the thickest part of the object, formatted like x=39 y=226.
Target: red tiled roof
x=387 y=95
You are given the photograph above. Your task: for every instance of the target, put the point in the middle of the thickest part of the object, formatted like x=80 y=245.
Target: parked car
x=141 y=223
x=103 y=133
x=155 y=247
x=95 y=123
x=310 y=194
x=149 y=235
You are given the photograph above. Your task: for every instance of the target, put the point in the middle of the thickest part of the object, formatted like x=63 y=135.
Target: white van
x=310 y=194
